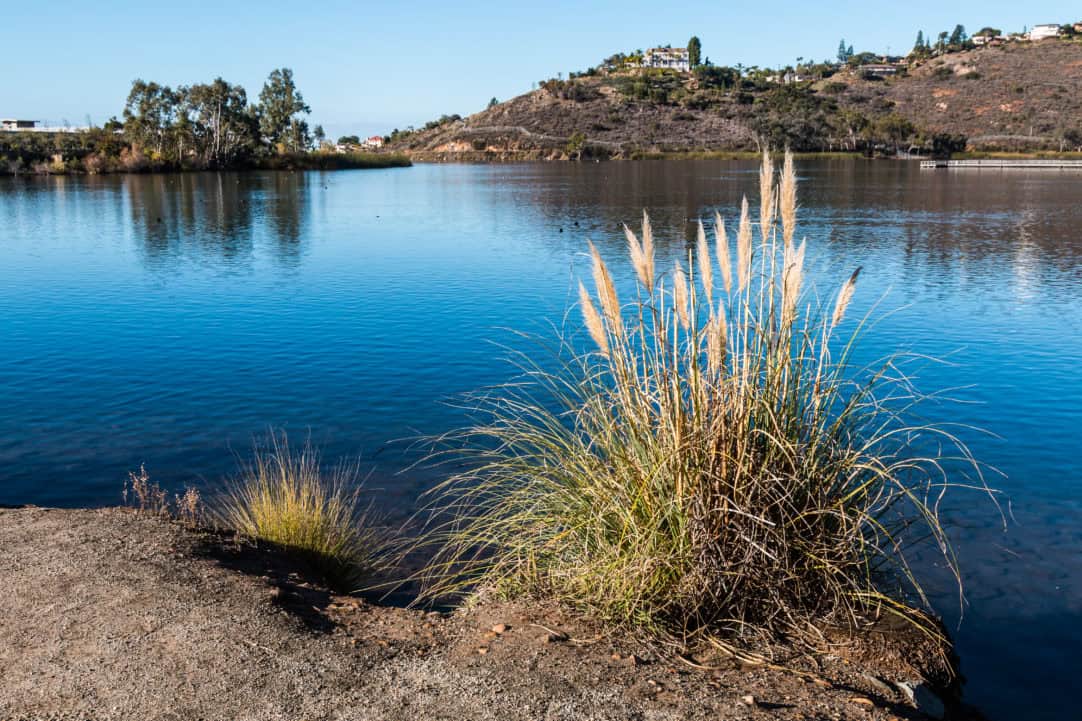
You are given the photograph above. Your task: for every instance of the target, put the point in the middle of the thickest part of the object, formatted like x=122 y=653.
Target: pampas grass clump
x=712 y=463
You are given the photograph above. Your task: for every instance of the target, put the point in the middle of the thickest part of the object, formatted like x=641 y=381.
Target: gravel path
x=112 y=614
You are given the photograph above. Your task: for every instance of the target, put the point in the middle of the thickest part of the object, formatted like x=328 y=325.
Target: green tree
x=279 y=102
x=222 y=126
x=958 y=36
x=695 y=51
x=493 y=103
x=843 y=54
x=319 y=135
x=919 y=45
x=149 y=114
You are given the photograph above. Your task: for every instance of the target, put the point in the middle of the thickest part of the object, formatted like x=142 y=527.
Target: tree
x=319 y=136
x=279 y=102
x=219 y=120
x=149 y=114
x=493 y=103
x=988 y=32
x=958 y=36
x=919 y=45
x=941 y=44
x=352 y=139
x=695 y=51
x=298 y=139
x=843 y=53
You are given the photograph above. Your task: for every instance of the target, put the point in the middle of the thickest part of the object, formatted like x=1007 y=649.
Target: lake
x=170 y=320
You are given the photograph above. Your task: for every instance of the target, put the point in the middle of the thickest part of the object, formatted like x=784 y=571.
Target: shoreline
x=125 y=614
x=287 y=162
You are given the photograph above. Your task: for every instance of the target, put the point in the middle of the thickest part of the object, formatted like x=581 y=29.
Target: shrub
x=714 y=463
x=145 y=495
x=284 y=497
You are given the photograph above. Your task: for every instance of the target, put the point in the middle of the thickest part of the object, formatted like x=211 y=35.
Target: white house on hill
x=671 y=58
x=1041 y=32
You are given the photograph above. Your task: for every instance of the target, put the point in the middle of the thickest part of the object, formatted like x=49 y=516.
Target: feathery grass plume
x=680 y=295
x=792 y=279
x=845 y=295
x=593 y=321
x=787 y=199
x=716 y=339
x=722 y=243
x=728 y=477
x=648 y=251
x=743 y=247
x=638 y=260
x=702 y=256
x=606 y=291
x=766 y=194
x=283 y=496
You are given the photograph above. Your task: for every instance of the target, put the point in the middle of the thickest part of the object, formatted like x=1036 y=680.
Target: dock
x=1039 y=163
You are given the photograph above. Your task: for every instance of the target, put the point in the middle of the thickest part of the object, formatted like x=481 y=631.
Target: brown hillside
x=1023 y=96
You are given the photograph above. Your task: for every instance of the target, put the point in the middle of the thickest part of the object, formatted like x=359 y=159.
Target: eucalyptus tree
x=225 y=129
x=279 y=103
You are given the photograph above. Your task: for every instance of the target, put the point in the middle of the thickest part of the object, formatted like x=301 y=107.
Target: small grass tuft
x=284 y=496
x=713 y=464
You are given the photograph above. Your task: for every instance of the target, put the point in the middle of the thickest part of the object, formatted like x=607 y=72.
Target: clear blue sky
x=369 y=67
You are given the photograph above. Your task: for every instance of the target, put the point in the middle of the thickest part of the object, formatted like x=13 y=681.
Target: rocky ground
x=114 y=614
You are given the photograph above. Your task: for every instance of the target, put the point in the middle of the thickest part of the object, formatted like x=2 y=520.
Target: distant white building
x=1043 y=32
x=374 y=142
x=11 y=124
x=670 y=58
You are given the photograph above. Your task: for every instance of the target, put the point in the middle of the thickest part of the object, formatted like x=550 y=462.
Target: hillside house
x=670 y=58
x=879 y=70
x=373 y=142
x=1043 y=32
x=7 y=124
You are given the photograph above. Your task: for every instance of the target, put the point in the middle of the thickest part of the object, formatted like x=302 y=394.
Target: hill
x=1021 y=96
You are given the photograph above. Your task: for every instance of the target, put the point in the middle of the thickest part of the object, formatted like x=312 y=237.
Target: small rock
x=615 y=656
x=482 y=651
x=635 y=660
x=748 y=700
x=923 y=698
x=490 y=635
x=862 y=701
x=500 y=628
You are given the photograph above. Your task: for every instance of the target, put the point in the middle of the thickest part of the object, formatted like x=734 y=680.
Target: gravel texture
x=113 y=614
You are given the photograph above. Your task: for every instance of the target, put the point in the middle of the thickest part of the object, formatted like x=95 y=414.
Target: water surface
x=168 y=320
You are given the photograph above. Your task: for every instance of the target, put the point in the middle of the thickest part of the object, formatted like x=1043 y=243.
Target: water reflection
x=218 y=217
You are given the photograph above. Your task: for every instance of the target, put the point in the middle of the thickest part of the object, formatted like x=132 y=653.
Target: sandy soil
x=112 y=614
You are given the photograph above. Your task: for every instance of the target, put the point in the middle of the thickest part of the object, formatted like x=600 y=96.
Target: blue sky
x=367 y=67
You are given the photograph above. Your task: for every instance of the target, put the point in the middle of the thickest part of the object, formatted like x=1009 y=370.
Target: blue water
x=169 y=320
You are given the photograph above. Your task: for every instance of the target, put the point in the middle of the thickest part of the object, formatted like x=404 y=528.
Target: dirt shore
x=113 y=614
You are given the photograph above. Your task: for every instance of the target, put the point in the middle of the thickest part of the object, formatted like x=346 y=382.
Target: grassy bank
x=96 y=152
x=332 y=161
